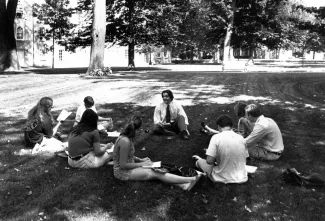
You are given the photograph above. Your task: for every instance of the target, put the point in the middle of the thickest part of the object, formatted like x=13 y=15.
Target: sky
x=315 y=3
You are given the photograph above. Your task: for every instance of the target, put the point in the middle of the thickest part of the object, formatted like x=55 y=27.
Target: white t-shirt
x=81 y=109
x=230 y=152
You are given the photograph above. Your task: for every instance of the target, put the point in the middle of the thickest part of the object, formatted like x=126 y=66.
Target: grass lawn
x=46 y=188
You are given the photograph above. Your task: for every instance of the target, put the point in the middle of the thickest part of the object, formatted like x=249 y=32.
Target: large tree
x=98 y=36
x=8 y=51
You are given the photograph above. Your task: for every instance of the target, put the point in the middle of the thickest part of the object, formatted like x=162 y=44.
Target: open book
x=154 y=165
x=63 y=115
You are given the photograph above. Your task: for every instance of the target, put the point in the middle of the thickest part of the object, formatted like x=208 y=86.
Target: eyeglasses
x=49 y=106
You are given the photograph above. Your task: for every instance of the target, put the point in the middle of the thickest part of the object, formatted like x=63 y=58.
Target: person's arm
x=125 y=146
x=157 y=116
x=55 y=129
x=256 y=135
x=104 y=119
x=181 y=112
x=210 y=130
x=99 y=150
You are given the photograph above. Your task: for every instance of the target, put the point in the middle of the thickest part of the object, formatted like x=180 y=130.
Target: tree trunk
x=8 y=51
x=131 y=56
x=98 y=36
x=226 y=47
x=130 y=6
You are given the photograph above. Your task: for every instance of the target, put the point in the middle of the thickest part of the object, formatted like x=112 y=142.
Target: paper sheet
x=63 y=115
x=154 y=165
x=251 y=169
x=113 y=134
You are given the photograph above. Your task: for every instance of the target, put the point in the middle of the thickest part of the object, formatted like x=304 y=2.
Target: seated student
x=226 y=155
x=170 y=117
x=39 y=129
x=265 y=141
x=129 y=167
x=85 y=150
x=245 y=127
x=89 y=103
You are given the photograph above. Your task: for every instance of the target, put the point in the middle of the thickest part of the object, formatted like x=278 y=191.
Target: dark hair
x=169 y=92
x=89 y=101
x=253 y=110
x=88 y=122
x=129 y=130
x=240 y=109
x=224 y=121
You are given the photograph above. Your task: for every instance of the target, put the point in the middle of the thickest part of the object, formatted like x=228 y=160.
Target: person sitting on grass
x=129 y=167
x=170 y=117
x=226 y=155
x=245 y=127
x=89 y=103
x=265 y=141
x=84 y=148
x=39 y=129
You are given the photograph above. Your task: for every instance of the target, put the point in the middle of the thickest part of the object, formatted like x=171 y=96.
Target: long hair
x=240 y=109
x=38 y=110
x=88 y=122
x=129 y=130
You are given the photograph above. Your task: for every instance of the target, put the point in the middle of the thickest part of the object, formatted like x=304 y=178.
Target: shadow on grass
x=37 y=186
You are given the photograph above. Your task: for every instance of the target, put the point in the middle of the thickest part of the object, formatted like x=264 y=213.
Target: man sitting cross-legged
x=170 y=117
x=226 y=155
x=265 y=141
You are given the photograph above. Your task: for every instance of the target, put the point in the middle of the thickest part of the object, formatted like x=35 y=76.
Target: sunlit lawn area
x=46 y=188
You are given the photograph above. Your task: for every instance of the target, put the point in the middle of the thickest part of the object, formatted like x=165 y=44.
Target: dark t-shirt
x=82 y=144
x=36 y=129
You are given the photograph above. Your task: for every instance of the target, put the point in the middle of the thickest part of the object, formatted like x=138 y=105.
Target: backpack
x=180 y=171
x=304 y=180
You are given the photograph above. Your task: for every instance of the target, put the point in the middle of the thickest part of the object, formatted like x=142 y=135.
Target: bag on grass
x=306 y=180
x=180 y=171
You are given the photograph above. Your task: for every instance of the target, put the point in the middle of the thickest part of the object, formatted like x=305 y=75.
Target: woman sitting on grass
x=245 y=127
x=129 y=167
x=85 y=150
x=39 y=129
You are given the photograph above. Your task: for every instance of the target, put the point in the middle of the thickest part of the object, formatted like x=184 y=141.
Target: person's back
x=230 y=152
x=272 y=139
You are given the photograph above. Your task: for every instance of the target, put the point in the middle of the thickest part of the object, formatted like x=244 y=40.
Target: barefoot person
x=226 y=155
x=170 y=117
x=39 y=129
x=129 y=167
x=106 y=124
x=85 y=150
x=245 y=127
x=265 y=141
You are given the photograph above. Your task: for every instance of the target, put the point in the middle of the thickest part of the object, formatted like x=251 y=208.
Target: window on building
x=60 y=55
x=158 y=54
x=126 y=53
x=165 y=53
x=20 y=33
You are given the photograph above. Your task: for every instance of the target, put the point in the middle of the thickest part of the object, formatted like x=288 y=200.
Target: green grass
x=44 y=187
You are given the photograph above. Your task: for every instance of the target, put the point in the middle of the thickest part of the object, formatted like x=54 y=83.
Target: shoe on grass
x=184 y=135
x=169 y=133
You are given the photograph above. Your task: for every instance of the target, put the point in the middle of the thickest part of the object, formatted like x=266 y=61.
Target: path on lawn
x=20 y=92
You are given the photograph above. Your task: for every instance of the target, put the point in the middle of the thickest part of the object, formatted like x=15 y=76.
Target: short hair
x=89 y=101
x=224 y=121
x=253 y=110
x=129 y=130
x=169 y=92
x=240 y=109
